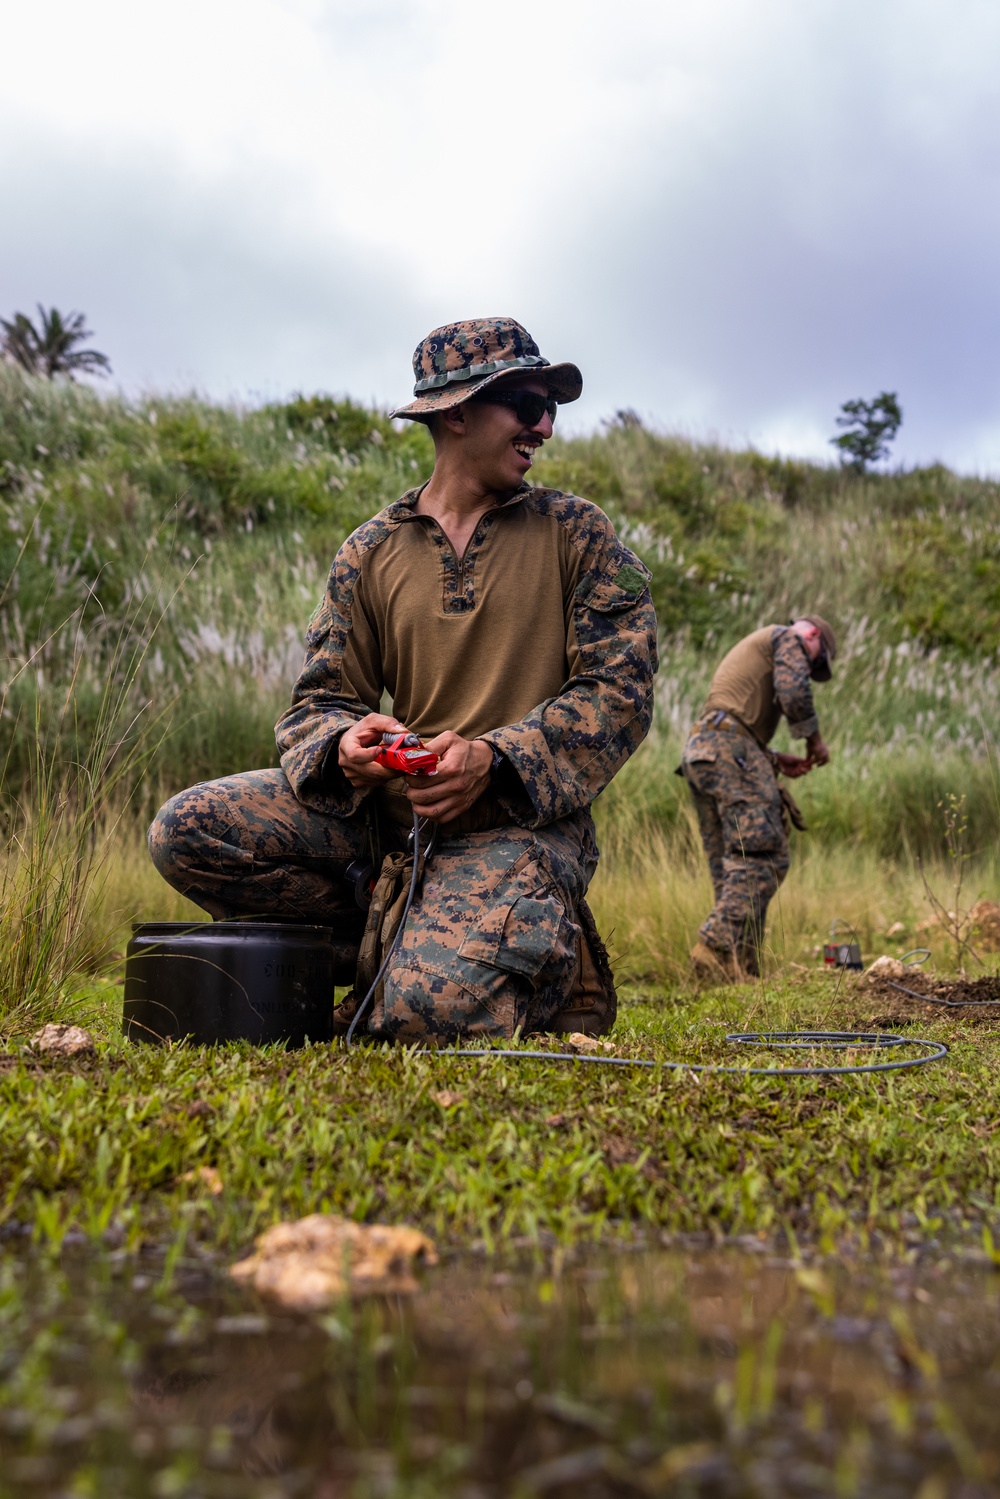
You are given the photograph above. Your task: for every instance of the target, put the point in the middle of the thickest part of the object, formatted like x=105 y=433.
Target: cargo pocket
x=754 y=827
x=599 y=601
x=608 y=596
x=520 y=936
x=536 y=933
x=698 y=768
x=593 y=1005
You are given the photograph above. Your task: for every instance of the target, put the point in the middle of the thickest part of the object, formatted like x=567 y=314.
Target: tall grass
x=63 y=828
x=653 y=891
x=235 y=515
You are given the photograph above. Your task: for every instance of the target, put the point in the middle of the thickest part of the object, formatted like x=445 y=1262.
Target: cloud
x=190 y=286
x=734 y=214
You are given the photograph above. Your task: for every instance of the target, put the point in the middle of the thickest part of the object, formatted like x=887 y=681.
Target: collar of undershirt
x=405 y=507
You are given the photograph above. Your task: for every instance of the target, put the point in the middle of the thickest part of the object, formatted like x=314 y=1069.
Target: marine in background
x=743 y=811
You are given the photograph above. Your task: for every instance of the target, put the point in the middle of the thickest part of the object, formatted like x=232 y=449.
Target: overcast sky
x=733 y=214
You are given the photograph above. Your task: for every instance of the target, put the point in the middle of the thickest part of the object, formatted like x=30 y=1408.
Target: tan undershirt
x=468 y=645
x=743 y=685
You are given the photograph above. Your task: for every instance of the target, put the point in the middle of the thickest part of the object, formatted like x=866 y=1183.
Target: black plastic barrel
x=210 y=982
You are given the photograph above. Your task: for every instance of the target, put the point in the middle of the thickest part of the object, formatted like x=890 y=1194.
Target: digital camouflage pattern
x=566 y=749
x=495 y=939
x=246 y=846
x=731 y=774
x=742 y=825
x=792 y=672
x=492 y=943
x=458 y=360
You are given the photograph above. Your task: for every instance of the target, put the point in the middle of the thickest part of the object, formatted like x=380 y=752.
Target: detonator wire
x=777 y=1040
x=947 y=1004
x=912 y=961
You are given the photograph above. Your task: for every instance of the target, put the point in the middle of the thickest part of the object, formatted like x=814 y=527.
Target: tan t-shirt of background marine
x=743 y=685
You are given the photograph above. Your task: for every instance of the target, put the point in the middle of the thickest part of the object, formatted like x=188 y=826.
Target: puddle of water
x=690 y=1373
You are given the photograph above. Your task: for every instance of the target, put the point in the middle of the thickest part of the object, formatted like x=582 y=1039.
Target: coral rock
x=309 y=1263
x=63 y=1041
x=985 y=920
x=887 y=968
x=578 y=1041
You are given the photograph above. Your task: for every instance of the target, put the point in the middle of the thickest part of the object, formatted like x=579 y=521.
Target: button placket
x=467 y=574
x=451 y=601
x=458 y=574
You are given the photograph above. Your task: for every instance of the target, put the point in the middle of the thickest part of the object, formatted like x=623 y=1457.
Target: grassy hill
x=185 y=544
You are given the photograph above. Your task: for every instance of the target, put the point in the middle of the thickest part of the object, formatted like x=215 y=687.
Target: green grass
x=534 y=1149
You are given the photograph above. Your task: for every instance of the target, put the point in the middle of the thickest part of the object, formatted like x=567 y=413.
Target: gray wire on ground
x=842 y=1040
x=948 y=1004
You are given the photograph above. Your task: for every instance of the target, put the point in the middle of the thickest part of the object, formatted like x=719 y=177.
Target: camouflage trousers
x=742 y=824
x=499 y=935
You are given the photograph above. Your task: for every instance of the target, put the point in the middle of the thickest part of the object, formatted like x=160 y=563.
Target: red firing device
x=405 y=754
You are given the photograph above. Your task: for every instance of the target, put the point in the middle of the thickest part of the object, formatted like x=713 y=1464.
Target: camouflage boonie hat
x=456 y=362
x=821 y=671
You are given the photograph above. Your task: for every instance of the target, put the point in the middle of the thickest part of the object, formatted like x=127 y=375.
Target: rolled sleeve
x=793 y=685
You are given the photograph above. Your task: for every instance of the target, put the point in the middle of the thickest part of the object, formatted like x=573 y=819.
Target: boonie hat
x=457 y=361
x=821 y=671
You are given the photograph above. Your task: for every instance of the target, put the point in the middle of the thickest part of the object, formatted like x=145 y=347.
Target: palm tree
x=48 y=350
x=19 y=341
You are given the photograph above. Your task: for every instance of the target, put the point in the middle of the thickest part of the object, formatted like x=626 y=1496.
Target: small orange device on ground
x=838 y=954
x=406 y=755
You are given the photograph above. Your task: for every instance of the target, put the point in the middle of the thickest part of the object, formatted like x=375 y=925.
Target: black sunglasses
x=528 y=404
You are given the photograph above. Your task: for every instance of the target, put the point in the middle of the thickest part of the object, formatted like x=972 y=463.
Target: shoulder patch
x=630 y=579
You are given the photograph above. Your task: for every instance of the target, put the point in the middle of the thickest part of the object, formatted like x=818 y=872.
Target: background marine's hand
x=792 y=766
x=359 y=746
x=463 y=774
x=818 y=752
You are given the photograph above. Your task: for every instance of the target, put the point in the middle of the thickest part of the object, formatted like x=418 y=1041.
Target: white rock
x=887 y=968
x=63 y=1041
x=307 y=1264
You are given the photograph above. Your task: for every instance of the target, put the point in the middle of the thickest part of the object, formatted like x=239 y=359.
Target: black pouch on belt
x=792 y=810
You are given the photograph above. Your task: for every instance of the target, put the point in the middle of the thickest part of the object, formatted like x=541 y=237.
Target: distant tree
x=49 y=349
x=871 y=425
x=628 y=418
x=18 y=341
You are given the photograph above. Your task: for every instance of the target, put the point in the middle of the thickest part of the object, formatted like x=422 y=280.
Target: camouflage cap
x=456 y=362
x=821 y=671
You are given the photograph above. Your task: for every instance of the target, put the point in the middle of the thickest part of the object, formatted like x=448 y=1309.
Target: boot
x=712 y=966
x=749 y=961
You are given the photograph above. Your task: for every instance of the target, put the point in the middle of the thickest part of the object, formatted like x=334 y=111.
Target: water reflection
x=703 y=1373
